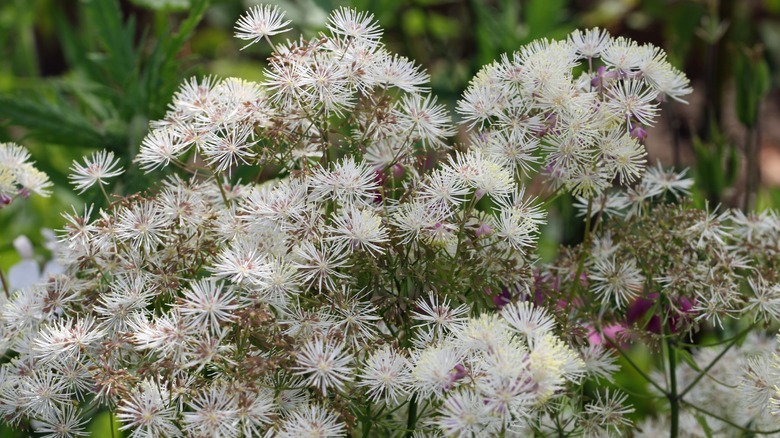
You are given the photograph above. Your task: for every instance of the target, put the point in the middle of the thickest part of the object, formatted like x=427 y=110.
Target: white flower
x=241 y=261
x=386 y=375
x=355 y=229
x=228 y=146
x=259 y=22
x=146 y=410
x=349 y=23
x=207 y=303
x=67 y=340
x=527 y=319
x=429 y=121
x=142 y=224
x=321 y=264
x=66 y=423
x=616 y=281
x=765 y=300
x=311 y=421
x=611 y=410
x=214 y=413
x=465 y=414
x=159 y=148
x=325 y=363
x=436 y=314
x=591 y=42
x=633 y=99
x=434 y=370
x=518 y=224
x=349 y=182
x=96 y=169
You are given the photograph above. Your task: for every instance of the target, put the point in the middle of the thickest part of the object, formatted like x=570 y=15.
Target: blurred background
x=80 y=75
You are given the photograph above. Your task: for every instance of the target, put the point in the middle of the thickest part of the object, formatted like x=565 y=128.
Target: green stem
x=367 y=422
x=729 y=422
x=5 y=285
x=674 y=398
x=717 y=358
x=411 y=420
x=631 y=362
x=218 y=177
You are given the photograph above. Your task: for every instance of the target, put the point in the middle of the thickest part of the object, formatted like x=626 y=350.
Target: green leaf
x=686 y=357
x=53 y=123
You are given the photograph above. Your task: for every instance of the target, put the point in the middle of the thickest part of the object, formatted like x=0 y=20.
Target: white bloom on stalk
x=214 y=412
x=66 y=423
x=350 y=23
x=159 y=148
x=633 y=99
x=465 y=414
x=325 y=364
x=96 y=169
x=147 y=411
x=765 y=300
x=527 y=319
x=617 y=282
x=208 y=303
x=591 y=42
x=386 y=376
x=355 y=229
x=259 y=22
x=311 y=421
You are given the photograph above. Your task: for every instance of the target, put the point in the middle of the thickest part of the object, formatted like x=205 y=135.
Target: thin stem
x=631 y=362
x=218 y=177
x=717 y=358
x=111 y=419
x=674 y=399
x=105 y=195
x=729 y=422
x=6 y=289
x=411 y=420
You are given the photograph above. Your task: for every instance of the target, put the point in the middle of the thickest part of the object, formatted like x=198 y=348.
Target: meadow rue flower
x=342 y=284
x=96 y=169
x=260 y=22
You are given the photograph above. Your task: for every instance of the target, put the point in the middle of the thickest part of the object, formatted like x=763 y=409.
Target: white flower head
x=96 y=169
x=260 y=22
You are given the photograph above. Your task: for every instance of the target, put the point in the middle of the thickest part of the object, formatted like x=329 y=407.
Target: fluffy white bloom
x=527 y=319
x=591 y=42
x=147 y=412
x=325 y=364
x=208 y=303
x=311 y=421
x=350 y=23
x=618 y=281
x=355 y=229
x=465 y=414
x=386 y=375
x=214 y=413
x=259 y=22
x=97 y=168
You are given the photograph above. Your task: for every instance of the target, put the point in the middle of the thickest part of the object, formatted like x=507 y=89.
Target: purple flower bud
x=398 y=171
x=502 y=299
x=479 y=194
x=638 y=133
x=484 y=230
x=5 y=199
x=457 y=373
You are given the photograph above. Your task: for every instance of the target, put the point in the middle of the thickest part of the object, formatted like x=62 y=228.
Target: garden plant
x=326 y=253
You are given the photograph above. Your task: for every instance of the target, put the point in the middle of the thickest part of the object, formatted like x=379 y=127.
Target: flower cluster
x=18 y=176
x=584 y=127
x=365 y=277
